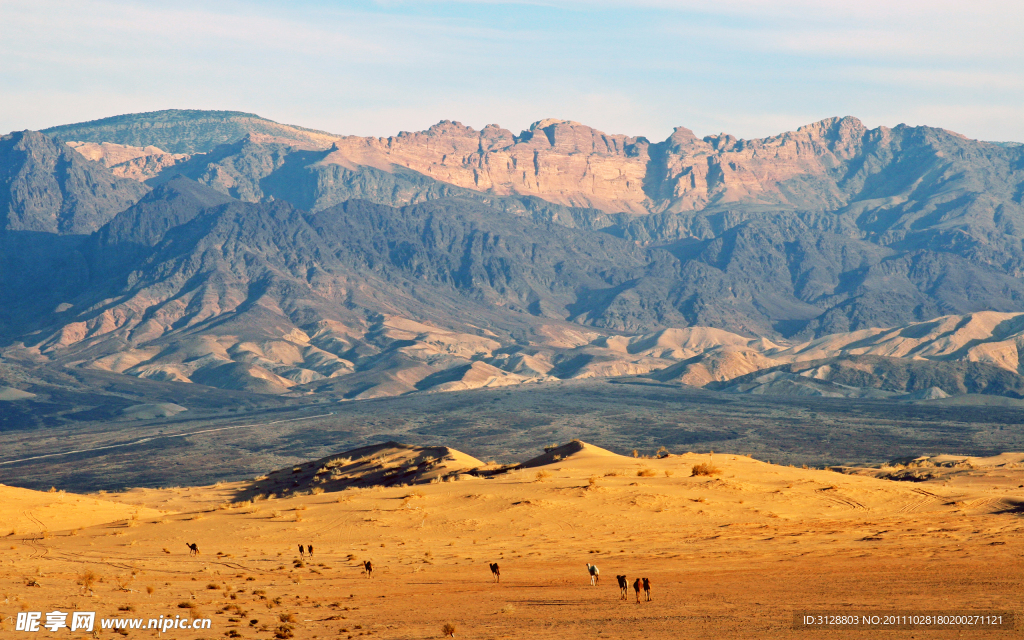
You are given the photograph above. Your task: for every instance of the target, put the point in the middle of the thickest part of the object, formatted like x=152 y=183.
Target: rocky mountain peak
x=47 y=186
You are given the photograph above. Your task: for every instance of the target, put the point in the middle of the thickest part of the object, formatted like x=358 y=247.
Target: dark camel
x=302 y=551
x=193 y=548
x=647 y=589
x=495 y=572
x=368 y=568
x=309 y=548
x=623 y=586
x=636 y=587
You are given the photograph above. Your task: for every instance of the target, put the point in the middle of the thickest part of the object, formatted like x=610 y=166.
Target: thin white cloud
x=749 y=68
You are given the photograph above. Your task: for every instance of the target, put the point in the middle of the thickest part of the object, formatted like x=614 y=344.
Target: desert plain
x=733 y=554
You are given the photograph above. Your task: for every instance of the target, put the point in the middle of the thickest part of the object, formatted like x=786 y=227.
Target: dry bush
x=543 y=475
x=592 y=481
x=704 y=469
x=287 y=617
x=316 y=491
x=509 y=608
x=86 y=579
x=646 y=473
x=212 y=586
x=668 y=473
x=448 y=630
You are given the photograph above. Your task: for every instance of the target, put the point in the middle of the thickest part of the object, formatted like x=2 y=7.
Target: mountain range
x=224 y=249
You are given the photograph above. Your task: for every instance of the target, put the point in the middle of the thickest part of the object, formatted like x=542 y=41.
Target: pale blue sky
x=746 y=67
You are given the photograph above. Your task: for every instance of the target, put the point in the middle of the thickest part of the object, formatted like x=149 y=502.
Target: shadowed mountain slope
x=47 y=187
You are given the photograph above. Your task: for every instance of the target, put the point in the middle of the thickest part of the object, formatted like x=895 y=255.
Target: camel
x=302 y=551
x=636 y=587
x=647 y=589
x=495 y=572
x=309 y=548
x=623 y=586
x=193 y=548
x=595 y=573
x=368 y=568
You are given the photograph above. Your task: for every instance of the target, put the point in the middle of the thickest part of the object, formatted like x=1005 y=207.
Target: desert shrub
x=704 y=469
x=448 y=630
x=316 y=491
x=646 y=473
x=86 y=579
x=543 y=475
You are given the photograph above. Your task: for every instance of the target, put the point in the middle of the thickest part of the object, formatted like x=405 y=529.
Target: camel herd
x=595 y=573
x=639 y=583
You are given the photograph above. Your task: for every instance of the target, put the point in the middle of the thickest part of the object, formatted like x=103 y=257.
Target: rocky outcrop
x=138 y=163
x=45 y=186
x=827 y=165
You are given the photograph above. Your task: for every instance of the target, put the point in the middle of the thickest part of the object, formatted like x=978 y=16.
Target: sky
x=751 y=68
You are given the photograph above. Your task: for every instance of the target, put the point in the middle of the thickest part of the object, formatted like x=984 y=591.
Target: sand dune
x=34 y=512
x=731 y=554
x=386 y=464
